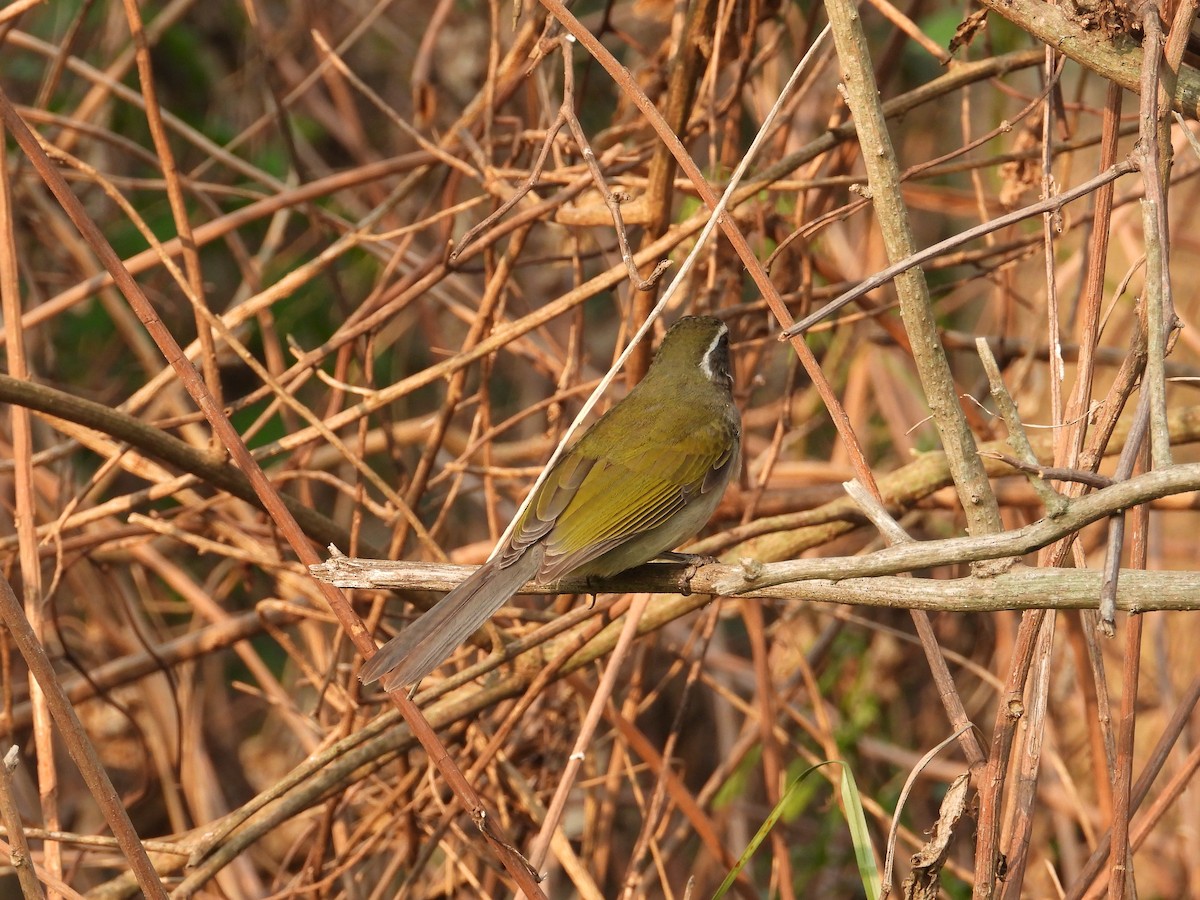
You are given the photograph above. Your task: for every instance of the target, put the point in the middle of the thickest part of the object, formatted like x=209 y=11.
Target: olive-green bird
x=644 y=478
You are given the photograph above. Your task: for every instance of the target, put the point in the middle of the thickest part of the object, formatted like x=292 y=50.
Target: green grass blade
x=859 y=835
x=857 y=820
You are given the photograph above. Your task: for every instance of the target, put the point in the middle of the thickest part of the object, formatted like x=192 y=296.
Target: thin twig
x=612 y=199
x=19 y=856
x=1043 y=474
x=1050 y=204
x=1054 y=502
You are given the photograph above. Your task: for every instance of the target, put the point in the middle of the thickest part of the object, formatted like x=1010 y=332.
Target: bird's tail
x=422 y=646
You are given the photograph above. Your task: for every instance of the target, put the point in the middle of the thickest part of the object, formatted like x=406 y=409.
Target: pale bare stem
x=1009 y=715
x=970 y=480
x=1054 y=502
x=891 y=530
x=1176 y=44
x=1016 y=542
x=1154 y=145
x=1116 y=528
x=1188 y=134
x=1051 y=226
x=1097 y=704
x=1157 y=300
x=1151 y=408
x=1024 y=588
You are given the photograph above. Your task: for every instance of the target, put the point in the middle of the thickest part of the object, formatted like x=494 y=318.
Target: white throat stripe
x=706 y=360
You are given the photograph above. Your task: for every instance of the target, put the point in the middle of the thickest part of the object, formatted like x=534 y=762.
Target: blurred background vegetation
x=327 y=157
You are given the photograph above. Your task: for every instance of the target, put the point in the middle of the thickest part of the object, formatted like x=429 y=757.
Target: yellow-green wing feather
x=625 y=494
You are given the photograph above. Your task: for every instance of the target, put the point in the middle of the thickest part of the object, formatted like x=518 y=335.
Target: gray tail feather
x=422 y=646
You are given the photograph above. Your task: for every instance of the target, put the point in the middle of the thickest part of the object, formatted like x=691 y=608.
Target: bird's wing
x=555 y=494
x=626 y=494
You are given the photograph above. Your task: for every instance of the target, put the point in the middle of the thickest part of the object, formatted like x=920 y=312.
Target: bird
x=640 y=481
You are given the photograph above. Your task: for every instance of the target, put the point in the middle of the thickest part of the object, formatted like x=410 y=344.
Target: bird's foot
x=590 y=588
x=692 y=563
